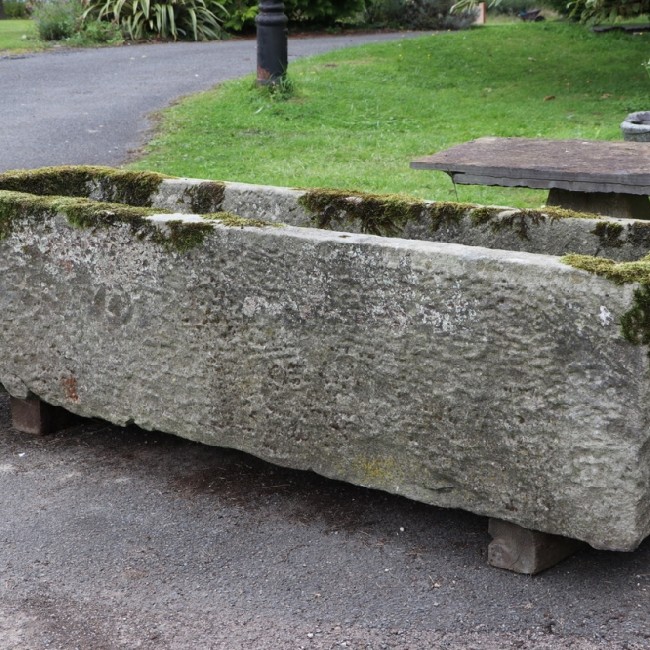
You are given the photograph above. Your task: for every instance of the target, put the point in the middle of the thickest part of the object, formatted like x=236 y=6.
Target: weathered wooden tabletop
x=574 y=165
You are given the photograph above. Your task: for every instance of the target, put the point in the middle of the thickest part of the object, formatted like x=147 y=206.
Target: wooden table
x=611 y=178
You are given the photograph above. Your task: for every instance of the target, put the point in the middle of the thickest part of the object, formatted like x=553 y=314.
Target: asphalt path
x=120 y=538
x=92 y=106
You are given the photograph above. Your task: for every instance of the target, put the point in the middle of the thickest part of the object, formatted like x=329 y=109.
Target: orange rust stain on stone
x=70 y=388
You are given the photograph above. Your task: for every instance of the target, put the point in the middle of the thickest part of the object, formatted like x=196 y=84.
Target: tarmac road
x=119 y=538
x=91 y=106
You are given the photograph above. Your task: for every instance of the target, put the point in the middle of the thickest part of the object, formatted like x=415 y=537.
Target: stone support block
x=526 y=551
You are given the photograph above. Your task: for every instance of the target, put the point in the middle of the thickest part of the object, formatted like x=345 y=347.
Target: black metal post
x=271 y=42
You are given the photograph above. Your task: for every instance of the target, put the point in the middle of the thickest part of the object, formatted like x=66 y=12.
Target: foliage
x=16 y=9
x=584 y=10
x=416 y=14
x=241 y=15
x=609 y=10
x=562 y=7
x=515 y=7
x=97 y=32
x=142 y=19
x=321 y=13
x=360 y=115
x=57 y=19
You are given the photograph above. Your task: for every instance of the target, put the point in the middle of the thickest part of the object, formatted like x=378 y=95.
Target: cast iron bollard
x=271 y=42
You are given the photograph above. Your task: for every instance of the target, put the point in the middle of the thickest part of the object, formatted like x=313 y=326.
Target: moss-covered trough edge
x=635 y=323
x=176 y=235
x=387 y=214
x=115 y=185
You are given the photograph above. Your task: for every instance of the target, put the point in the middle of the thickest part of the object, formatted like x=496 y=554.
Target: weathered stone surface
x=531 y=231
x=460 y=376
x=619 y=239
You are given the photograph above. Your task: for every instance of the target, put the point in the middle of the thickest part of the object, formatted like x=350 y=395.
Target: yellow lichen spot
x=375 y=471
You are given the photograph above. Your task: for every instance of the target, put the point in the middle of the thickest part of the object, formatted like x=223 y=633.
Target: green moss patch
x=609 y=233
x=206 y=197
x=377 y=214
x=16 y=207
x=115 y=185
x=635 y=323
x=618 y=272
x=176 y=235
x=387 y=215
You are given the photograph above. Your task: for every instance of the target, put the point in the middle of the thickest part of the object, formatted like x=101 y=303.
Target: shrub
x=607 y=10
x=57 y=19
x=141 y=19
x=515 y=7
x=15 y=9
x=320 y=13
x=417 y=14
x=241 y=15
x=97 y=32
x=323 y=12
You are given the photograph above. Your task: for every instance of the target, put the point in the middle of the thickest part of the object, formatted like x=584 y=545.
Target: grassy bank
x=17 y=36
x=360 y=115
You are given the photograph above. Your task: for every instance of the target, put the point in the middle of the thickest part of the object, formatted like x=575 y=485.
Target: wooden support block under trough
x=32 y=415
x=526 y=551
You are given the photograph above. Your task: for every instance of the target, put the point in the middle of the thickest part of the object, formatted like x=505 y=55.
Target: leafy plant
x=322 y=13
x=15 y=9
x=57 y=19
x=141 y=19
x=600 y=10
x=417 y=14
x=241 y=15
x=97 y=32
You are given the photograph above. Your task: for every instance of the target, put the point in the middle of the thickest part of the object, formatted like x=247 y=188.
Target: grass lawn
x=360 y=115
x=13 y=33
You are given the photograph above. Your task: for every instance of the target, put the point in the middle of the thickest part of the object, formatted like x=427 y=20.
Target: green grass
x=360 y=115
x=18 y=36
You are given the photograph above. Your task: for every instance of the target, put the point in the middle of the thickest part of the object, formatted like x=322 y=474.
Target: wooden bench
x=610 y=178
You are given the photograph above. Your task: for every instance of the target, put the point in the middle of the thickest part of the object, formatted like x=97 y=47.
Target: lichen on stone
x=114 y=185
x=520 y=221
x=234 y=221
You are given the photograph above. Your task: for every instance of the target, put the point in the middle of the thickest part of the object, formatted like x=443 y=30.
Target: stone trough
x=480 y=358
